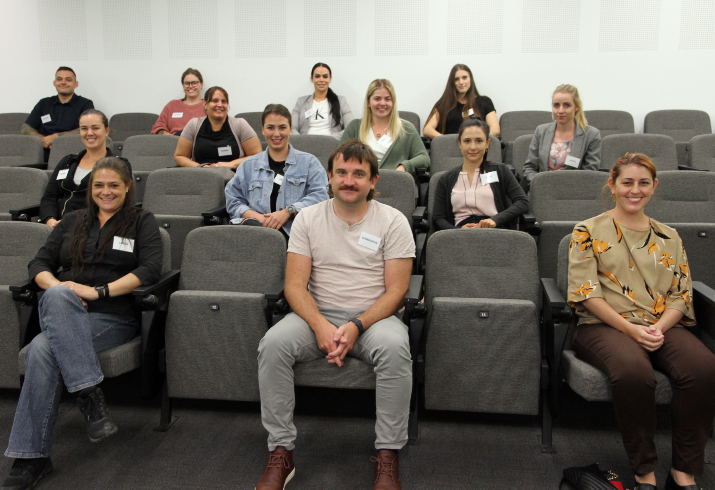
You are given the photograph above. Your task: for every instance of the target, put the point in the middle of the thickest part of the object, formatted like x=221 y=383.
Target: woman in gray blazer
x=322 y=112
x=568 y=143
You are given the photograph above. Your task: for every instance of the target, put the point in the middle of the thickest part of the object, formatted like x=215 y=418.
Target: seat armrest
x=26 y=213
x=418 y=215
x=687 y=167
x=704 y=293
x=552 y=295
x=513 y=171
x=414 y=291
x=215 y=216
x=528 y=223
x=166 y=282
x=275 y=295
x=24 y=291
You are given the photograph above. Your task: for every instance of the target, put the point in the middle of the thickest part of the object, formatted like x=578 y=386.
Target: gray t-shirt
x=346 y=273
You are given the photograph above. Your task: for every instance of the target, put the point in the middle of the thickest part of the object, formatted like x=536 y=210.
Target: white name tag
x=385 y=141
x=471 y=112
x=62 y=174
x=369 y=241
x=310 y=113
x=177 y=115
x=224 y=151
x=489 y=177
x=278 y=179
x=45 y=119
x=572 y=161
x=123 y=244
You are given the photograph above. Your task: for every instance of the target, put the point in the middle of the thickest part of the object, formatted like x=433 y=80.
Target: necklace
x=379 y=133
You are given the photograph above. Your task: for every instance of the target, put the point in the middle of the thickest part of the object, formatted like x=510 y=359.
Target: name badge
x=385 y=141
x=224 y=151
x=369 y=241
x=278 y=179
x=489 y=177
x=46 y=118
x=177 y=115
x=310 y=113
x=62 y=174
x=123 y=244
x=471 y=112
x=572 y=161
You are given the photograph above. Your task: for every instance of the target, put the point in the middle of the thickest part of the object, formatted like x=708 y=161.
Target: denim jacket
x=305 y=183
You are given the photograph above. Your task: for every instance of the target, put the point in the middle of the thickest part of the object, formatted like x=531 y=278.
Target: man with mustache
x=348 y=269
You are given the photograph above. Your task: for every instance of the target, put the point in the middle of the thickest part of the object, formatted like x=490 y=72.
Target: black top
x=507 y=187
x=455 y=117
x=63 y=195
x=208 y=142
x=277 y=168
x=63 y=117
x=144 y=262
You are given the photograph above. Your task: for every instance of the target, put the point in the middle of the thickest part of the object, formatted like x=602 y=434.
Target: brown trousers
x=629 y=367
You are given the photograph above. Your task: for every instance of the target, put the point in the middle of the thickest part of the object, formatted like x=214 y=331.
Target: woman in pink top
x=180 y=111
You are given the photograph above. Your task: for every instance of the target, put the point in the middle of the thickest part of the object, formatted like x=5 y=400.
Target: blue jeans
x=63 y=354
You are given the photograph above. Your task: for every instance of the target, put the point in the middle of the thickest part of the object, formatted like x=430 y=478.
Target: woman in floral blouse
x=630 y=283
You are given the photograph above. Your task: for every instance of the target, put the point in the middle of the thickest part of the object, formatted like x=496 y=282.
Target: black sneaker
x=26 y=473
x=92 y=405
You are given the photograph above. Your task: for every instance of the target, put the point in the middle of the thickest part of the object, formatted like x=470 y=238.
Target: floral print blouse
x=558 y=154
x=639 y=273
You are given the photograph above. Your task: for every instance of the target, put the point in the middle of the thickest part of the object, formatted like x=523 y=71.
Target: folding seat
x=124 y=125
x=183 y=199
x=611 y=122
x=146 y=153
x=660 y=149
x=318 y=145
x=517 y=123
x=254 y=120
x=68 y=144
x=683 y=197
x=413 y=118
x=19 y=242
x=445 y=153
x=702 y=152
x=11 y=122
x=21 y=190
x=19 y=150
x=143 y=350
x=520 y=152
x=681 y=125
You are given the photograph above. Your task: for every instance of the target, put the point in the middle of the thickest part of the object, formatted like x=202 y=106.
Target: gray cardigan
x=586 y=147
x=304 y=104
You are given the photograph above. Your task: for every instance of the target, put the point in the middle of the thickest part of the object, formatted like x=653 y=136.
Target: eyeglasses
x=195 y=83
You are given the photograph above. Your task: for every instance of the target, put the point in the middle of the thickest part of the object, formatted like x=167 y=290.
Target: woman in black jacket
x=67 y=189
x=474 y=195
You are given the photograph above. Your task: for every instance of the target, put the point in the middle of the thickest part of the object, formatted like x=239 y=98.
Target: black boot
x=92 y=405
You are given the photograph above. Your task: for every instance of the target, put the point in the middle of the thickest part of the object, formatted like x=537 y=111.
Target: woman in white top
x=322 y=112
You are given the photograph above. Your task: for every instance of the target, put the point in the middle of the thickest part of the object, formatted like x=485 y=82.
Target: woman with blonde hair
x=568 y=143
x=396 y=142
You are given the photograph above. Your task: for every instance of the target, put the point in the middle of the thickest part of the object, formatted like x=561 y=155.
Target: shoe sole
x=288 y=478
x=111 y=433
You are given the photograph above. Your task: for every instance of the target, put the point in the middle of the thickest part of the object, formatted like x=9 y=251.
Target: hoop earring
x=613 y=196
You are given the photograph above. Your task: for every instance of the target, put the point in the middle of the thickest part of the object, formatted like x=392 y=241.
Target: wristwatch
x=102 y=291
x=292 y=211
x=358 y=323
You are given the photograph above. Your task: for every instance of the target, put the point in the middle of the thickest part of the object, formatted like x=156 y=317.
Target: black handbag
x=589 y=477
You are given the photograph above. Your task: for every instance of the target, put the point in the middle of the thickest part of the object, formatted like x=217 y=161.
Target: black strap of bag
x=586 y=478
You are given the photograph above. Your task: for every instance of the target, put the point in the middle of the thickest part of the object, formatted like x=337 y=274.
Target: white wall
x=633 y=55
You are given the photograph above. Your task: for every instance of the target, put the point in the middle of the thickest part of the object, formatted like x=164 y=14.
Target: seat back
x=183 y=191
x=318 y=145
x=517 y=123
x=520 y=152
x=699 y=243
x=681 y=125
x=445 y=153
x=683 y=197
x=20 y=187
x=254 y=120
x=19 y=242
x=150 y=151
x=661 y=149
x=68 y=144
x=20 y=149
x=434 y=179
x=567 y=195
x=397 y=189
x=124 y=125
x=702 y=152
x=611 y=122
x=11 y=122
x=413 y=118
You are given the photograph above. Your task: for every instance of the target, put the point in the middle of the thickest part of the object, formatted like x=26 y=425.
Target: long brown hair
x=124 y=218
x=448 y=101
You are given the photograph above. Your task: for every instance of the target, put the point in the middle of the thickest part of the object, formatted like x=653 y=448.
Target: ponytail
x=335 y=108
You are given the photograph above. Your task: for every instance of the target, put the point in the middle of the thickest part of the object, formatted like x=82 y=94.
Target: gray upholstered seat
x=517 y=123
x=482 y=298
x=397 y=189
x=127 y=124
x=681 y=125
x=18 y=149
x=11 y=122
x=254 y=120
x=520 y=152
x=68 y=144
x=413 y=118
x=611 y=122
x=318 y=145
x=19 y=188
x=146 y=153
x=702 y=152
x=699 y=242
x=560 y=200
x=660 y=149
x=19 y=242
x=445 y=153
x=177 y=197
x=683 y=197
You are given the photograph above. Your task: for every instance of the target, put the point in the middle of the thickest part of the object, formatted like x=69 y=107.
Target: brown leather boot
x=387 y=471
x=279 y=470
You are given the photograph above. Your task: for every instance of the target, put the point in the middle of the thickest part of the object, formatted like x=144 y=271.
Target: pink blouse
x=474 y=200
x=183 y=112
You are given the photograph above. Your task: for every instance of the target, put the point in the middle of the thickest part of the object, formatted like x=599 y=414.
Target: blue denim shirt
x=305 y=183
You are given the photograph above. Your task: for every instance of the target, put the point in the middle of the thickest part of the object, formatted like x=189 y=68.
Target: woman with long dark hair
x=90 y=264
x=460 y=100
x=177 y=113
x=322 y=112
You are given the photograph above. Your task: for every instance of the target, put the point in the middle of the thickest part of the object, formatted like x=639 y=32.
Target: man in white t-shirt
x=348 y=269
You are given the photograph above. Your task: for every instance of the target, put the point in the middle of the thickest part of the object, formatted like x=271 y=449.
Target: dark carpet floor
x=222 y=445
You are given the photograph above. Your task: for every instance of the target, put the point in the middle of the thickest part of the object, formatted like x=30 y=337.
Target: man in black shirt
x=59 y=114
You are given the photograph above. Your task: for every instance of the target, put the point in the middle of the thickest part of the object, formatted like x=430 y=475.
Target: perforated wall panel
x=192 y=29
x=697 y=24
x=260 y=28
x=629 y=25
x=550 y=27
x=404 y=31
x=329 y=27
x=488 y=39
x=59 y=42
x=127 y=29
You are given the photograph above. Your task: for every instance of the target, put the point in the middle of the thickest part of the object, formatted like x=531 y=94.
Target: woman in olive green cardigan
x=396 y=142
